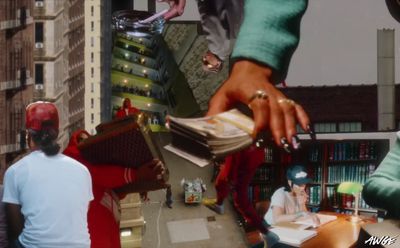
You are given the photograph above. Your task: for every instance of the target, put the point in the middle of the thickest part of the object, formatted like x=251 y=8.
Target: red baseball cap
x=41 y=115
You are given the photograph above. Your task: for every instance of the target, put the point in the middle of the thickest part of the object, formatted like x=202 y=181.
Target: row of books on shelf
x=354 y=150
x=269 y=155
x=350 y=172
x=314 y=195
x=315 y=153
x=265 y=173
x=316 y=174
x=343 y=200
x=260 y=192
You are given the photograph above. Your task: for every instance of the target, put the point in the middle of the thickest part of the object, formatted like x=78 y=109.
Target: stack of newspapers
x=211 y=137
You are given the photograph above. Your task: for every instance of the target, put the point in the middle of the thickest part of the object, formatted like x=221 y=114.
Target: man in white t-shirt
x=289 y=203
x=46 y=193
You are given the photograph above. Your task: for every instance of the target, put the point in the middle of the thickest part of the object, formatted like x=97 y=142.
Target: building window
x=92 y=41
x=39 y=71
x=92 y=26
x=325 y=127
x=92 y=10
x=92 y=57
x=92 y=118
x=92 y=72
x=92 y=103
x=350 y=127
x=39 y=3
x=39 y=32
x=92 y=87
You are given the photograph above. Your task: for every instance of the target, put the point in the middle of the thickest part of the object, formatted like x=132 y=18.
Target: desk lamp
x=354 y=189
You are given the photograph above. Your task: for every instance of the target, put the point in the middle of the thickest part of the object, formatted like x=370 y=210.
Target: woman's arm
x=15 y=220
x=382 y=189
x=279 y=215
x=270 y=33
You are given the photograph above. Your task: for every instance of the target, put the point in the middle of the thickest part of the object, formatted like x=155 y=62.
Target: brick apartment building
x=76 y=67
x=59 y=60
x=16 y=75
x=352 y=108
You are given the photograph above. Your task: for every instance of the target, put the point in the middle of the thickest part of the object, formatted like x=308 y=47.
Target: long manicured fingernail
x=311 y=132
x=296 y=142
x=285 y=145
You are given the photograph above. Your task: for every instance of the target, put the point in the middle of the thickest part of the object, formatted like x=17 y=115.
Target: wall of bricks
x=16 y=45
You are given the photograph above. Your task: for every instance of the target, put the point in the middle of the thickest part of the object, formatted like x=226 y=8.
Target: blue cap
x=298 y=175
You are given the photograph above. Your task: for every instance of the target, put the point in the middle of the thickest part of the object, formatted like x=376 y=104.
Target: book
x=211 y=137
x=292 y=236
x=323 y=218
x=291 y=225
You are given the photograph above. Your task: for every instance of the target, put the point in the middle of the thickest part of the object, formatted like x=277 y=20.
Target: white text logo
x=384 y=240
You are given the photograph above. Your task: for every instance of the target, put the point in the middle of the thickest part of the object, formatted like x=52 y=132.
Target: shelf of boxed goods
x=132 y=221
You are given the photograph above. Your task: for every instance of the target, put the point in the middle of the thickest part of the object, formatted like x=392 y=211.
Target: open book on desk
x=323 y=218
x=293 y=237
x=211 y=137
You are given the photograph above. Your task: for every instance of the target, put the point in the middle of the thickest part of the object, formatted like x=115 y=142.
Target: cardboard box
x=131 y=237
x=193 y=197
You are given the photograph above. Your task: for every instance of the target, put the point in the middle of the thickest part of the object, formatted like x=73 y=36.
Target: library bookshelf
x=265 y=180
x=336 y=158
x=330 y=160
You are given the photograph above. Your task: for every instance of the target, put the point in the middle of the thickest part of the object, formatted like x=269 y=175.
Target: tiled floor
x=224 y=232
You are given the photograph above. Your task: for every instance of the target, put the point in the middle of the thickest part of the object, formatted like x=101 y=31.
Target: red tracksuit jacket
x=104 y=210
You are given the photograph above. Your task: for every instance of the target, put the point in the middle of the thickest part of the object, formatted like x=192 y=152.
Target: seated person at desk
x=289 y=203
x=382 y=189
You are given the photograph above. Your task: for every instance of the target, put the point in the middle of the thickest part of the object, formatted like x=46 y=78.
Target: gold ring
x=260 y=94
x=288 y=101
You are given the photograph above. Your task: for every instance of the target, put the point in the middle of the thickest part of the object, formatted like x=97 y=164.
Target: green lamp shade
x=349 y=188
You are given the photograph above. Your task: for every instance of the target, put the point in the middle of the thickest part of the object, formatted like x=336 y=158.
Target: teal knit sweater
x=382 y=189
x=270 y=33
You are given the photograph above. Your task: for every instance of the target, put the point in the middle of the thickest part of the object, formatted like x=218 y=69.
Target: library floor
x=193 y=226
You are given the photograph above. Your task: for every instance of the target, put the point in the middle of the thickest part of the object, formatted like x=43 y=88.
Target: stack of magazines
x=211 y=137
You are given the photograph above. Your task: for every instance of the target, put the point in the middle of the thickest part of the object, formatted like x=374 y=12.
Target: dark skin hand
x=277 y=113
x=151 y=171
x=15 y=220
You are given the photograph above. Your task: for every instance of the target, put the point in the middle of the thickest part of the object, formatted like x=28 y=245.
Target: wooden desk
x=388 y=227
x=339 y=233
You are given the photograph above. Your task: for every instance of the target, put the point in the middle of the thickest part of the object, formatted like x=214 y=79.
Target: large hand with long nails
x=176 y=8
x=250 y=83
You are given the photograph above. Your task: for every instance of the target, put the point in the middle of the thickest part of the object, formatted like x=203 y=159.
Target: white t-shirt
x=285 y=200
x=54 y=193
